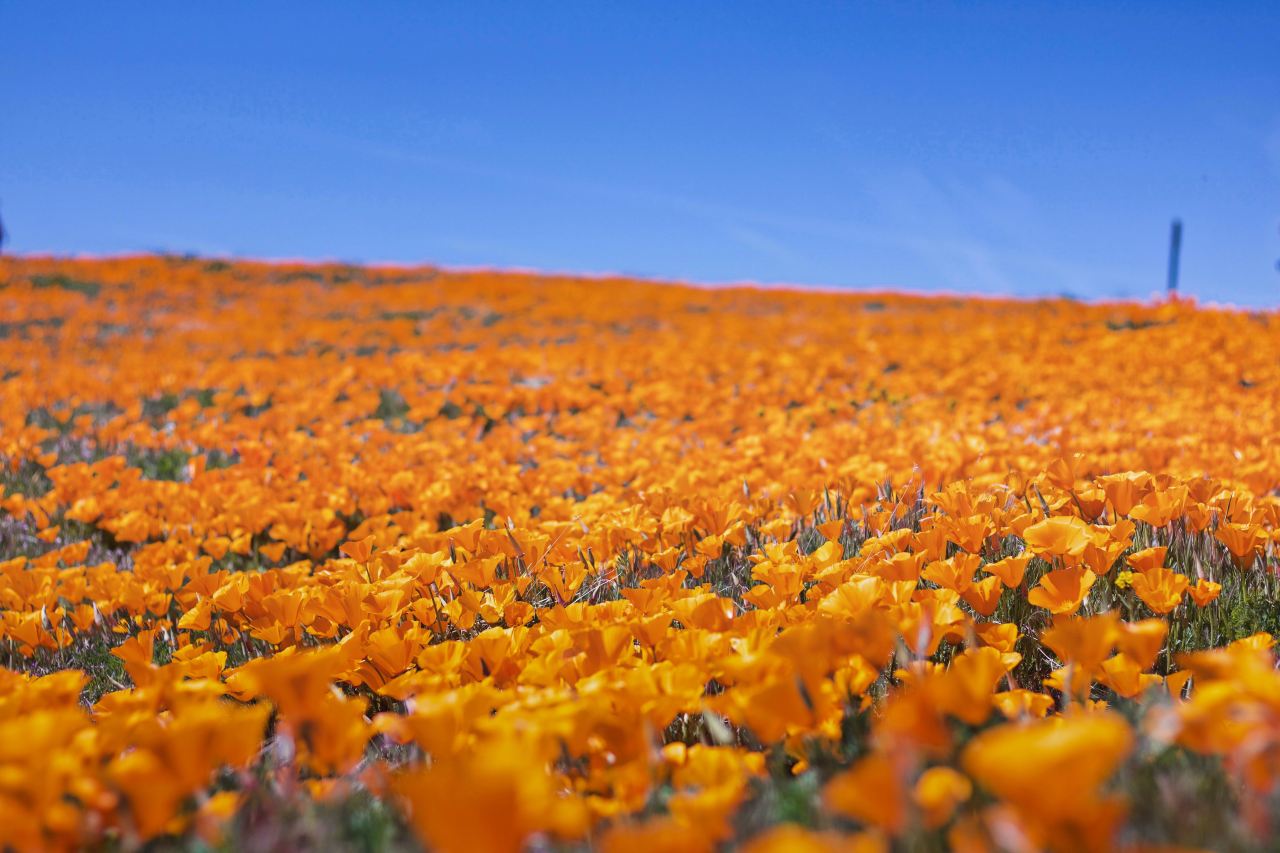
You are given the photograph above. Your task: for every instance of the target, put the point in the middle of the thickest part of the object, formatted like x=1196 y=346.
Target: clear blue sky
x=1028 y=148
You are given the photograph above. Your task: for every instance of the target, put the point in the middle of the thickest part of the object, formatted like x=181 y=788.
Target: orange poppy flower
x=1148 y=558
x=1060 y=535
x=1010 y=570
x=938 y=792
x=984 y=595
x=870 y=791
x=1063 y=590
x=1050 y=771
x=1204 y=592
x=1160 y=589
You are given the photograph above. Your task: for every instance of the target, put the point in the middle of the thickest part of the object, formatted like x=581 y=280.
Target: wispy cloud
x=761 y=243
x=972 y=236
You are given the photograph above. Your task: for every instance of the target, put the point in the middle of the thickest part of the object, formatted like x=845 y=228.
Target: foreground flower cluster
x=491 y=560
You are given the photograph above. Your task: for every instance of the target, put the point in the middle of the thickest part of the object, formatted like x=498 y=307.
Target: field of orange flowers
x=377 y=558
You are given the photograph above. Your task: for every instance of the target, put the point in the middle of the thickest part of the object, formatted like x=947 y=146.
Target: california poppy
x=1063 y=590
